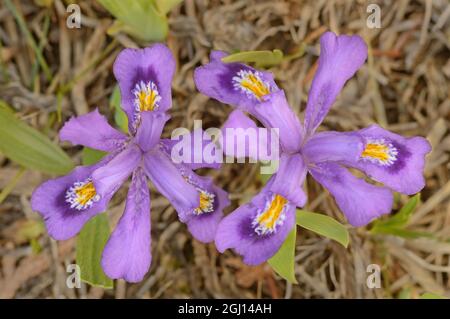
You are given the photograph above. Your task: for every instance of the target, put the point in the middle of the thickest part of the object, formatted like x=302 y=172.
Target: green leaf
x=93 y=237
x=260 y=58
x=395 y=225
x=283 y=261
x=91 y=156
x=430 y=295
x=404 y=233
x=139 y=18
x=402 y=217
x=30 y=148
x=120 y=117
x=405 y=293
x=164 y=6
x=323 y=225
x=90 y=243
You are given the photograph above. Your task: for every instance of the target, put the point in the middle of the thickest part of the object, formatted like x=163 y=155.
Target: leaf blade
x=323 y=225
x=30 y=148
x=261 y=58
x=90 y=244
x=140 y=18
x=283 y=261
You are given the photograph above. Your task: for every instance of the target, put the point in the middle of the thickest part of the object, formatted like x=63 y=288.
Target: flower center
x=380 y=152
x=82 y=195
x=272 y=216
x=206 y=203
x=146 y=96
x=251 y=83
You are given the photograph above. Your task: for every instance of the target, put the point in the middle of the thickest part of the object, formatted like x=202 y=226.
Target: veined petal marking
x=251 y=84
x=273 y=215
x=380 y=151
x=82 y=195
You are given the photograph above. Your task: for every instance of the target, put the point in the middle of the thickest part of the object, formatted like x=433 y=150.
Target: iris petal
x=49 y=200
x=137 y=68
x=127 y=253
x=92 y=130
x=392 y=159
x=359 y=201
x=236 y=84
x=170 y=183
x=340 y=57
x=239 y=230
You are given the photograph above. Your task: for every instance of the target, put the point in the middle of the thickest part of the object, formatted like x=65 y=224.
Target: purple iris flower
x=257 y=230
x=67 y=203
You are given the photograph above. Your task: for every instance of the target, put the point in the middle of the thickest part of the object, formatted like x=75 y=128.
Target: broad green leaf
x=120 y=117
x=401 y=218
x=90 y=243
x=139 y=18
x=283 y=261
x=93 y=237
x=400 y=232
x=395 y=225
x=91 y=156
x=429 y=295
x=260 y=58
x=323 y=225
x=30 y=148
x=164 y=6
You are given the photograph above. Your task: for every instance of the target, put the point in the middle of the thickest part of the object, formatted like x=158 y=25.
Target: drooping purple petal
x=127 y=253
x=150 y=129
x=63 y=212
x=194 y=149
x=359 y=201
x=147 y=70
x=108 y=178
x=205 y=219
x=236 y=84
x=340 y=57
x=170 y=183
x=258 y=229
x=288 y=181
x=275 y=112
x=392 y=159
x=242 y=138
x=333 y=147
x=92 y=130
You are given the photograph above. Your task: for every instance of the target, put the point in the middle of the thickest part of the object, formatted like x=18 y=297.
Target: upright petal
x=68 y=202
x=275 y=112
x=127 y=252
x=236 y=84
x=145 y=77
x=333 y=147
x=340 y=58
x=242 y=138
x=359 y=201
x=392 y=159
x=205 y=218
x=288 y=180
x=92 y=130
x=170 y=183
x=258 y=229
x=107 y=179
x=150 y=129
